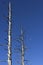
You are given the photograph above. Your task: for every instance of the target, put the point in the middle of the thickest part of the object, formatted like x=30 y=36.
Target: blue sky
x=29 y=14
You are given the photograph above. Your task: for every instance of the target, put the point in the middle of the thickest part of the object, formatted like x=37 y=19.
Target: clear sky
x=29 y=14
